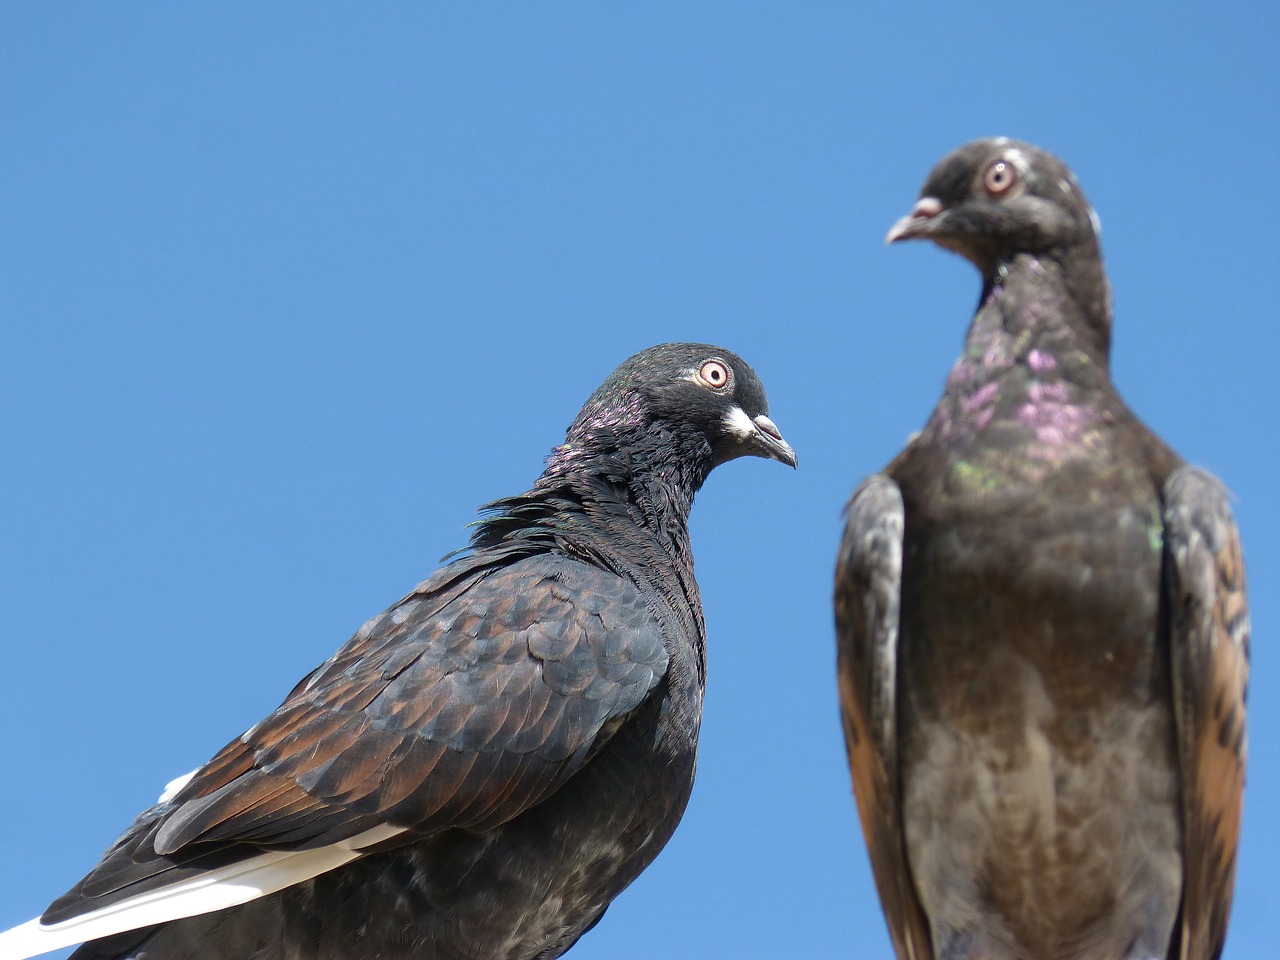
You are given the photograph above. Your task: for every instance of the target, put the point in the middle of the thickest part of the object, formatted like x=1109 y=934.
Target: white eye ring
x=1000 y=178
x=715 y=374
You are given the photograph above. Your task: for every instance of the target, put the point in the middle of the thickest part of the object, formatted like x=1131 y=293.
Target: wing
x=868 y=582
x=475 y=697
x=1208 y=620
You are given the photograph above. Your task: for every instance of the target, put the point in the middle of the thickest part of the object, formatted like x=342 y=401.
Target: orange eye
x=715 y=374
x=1000 y=178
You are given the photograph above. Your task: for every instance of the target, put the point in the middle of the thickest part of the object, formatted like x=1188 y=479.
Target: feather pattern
x=1208 y=620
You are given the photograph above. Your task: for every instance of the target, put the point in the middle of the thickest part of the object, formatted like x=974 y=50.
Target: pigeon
x=1041 y=621
x=482 y=768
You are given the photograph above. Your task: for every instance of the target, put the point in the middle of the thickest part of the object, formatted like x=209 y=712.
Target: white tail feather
x=177 y=783
x=216 y=890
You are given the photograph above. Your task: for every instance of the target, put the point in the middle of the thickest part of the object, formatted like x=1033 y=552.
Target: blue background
x=288 y=290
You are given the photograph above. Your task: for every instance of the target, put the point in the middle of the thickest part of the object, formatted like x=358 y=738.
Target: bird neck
x=1059 y=301
x=600 y=489
x=623 y=507
x=1035 y=360
x=652 y=477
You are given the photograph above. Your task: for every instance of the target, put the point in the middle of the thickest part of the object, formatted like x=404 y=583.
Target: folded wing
x=867 y=597
x=469 y=701
x=1208 y=620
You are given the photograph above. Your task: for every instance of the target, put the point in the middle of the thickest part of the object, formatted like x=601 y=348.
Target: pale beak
x=915 y=223
x=768 y=438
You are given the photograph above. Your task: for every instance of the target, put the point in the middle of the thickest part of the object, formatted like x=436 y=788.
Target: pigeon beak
x=916 y=223
x=767 y=440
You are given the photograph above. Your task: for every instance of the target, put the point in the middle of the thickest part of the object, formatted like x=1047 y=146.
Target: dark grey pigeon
x=484 y=766
x=1043 y=636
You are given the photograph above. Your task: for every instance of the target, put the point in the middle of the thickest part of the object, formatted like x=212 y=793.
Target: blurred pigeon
x=486 y=765
x=1041 y=619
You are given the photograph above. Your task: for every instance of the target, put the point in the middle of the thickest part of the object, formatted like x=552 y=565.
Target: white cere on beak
x=765 y=425
x=925 y=209
x=738 y=423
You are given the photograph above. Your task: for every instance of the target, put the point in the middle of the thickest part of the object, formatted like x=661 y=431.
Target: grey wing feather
x=1208 y=619
x=867 y=596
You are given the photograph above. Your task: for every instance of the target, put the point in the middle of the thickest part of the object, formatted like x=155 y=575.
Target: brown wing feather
x=467 y=702
x=1209 y=633
x=868 y=582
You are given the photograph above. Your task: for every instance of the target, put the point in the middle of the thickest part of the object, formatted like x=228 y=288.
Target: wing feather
x=472 y=699
x=867 y=596
x=1208 y=619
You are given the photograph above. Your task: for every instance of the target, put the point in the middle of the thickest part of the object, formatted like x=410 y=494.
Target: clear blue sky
x=288 y=290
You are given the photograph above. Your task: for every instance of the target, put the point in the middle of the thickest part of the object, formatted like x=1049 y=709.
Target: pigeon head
x=642 y=446
x=993 y=199
x=693 y=401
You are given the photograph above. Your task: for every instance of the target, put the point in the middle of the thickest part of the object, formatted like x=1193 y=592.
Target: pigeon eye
x=999 y=178
x=714 y=374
